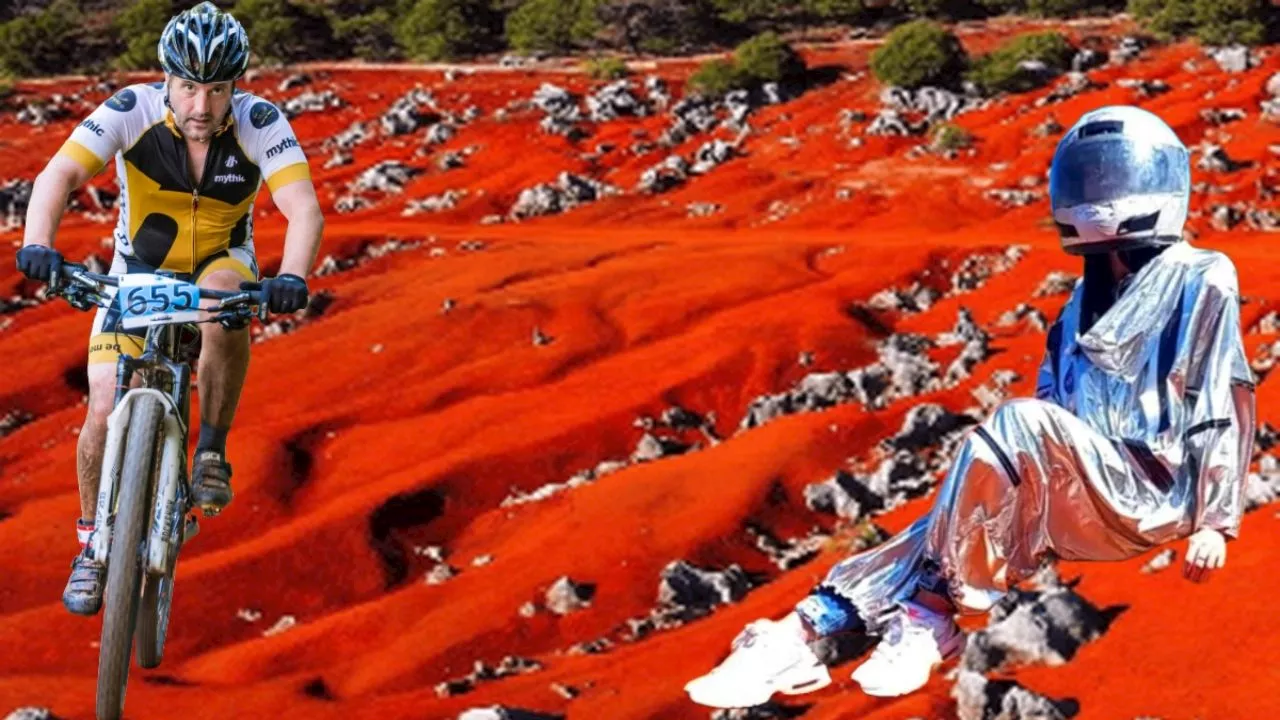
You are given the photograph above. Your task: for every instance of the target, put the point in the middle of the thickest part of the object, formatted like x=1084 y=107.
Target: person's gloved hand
x=1206 y=552
x=285 y=293
x=39 y=262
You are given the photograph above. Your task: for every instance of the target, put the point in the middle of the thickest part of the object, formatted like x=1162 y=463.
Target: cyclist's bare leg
x=93 y=435
x=224 y=360
x=220 y=374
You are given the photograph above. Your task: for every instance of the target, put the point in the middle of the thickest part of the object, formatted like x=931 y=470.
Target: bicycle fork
x=162 y=537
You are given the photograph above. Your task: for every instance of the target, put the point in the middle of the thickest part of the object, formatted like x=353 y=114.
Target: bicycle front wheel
x=125 y=568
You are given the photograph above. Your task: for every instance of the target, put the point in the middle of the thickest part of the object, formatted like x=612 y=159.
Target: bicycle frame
x=156 y=364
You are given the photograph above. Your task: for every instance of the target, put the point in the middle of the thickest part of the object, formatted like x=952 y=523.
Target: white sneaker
x=917 y=641
x=766 y=658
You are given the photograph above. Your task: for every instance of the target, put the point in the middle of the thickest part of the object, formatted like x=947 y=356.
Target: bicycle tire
x=153 y=618
x=125 y=570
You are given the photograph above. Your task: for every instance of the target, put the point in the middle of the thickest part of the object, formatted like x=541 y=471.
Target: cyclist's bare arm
x=298 y=203
x=49 y=198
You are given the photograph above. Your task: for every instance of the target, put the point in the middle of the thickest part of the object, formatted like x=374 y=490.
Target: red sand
x=336 y=441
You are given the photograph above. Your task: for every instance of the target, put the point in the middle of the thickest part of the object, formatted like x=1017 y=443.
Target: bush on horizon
x=919 y=53
x=1002 y=71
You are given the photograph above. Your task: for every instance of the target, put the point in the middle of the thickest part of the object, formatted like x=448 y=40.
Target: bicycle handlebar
x=232 y=303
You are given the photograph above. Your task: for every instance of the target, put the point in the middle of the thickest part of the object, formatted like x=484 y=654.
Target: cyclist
x=191 y=153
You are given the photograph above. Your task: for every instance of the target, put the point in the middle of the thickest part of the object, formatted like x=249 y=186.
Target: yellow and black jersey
x=166 y=221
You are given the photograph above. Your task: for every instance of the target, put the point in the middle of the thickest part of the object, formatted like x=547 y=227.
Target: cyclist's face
x=198 y=108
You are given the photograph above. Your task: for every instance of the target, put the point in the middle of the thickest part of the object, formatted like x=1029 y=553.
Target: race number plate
x=147 y=299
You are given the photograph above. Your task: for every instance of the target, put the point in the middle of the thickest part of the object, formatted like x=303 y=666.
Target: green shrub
x=747 y=11
x=947 y=136
x=918 y=53
x=282 y=31
x=606 y=68
x=445 y=29
x=716 y=77
x=1071 y=8
x=555 y=25
x=1213 y=22
x=850 y=10
x=369 y=35
x=660 y=27
x=767 y=58
x=44 y=43
x=949 y=9
x=999 y=71
x=1003 y=7
x=139 y=28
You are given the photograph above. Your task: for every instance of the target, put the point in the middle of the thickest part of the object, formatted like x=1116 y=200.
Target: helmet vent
x=1138 y=223
x=1102 y=127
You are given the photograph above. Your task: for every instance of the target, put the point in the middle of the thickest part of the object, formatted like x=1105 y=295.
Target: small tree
x=1003 y=71
x=446 y=29
x=606 y=68
x=1071 y=8
x=554 y=25
x=43 y=43
x=716 y=77
x=919 y=53
x=1213 y=22
x=139 y=28
x=767 y=58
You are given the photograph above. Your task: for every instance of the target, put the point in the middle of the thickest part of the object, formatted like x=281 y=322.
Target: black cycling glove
x=39 y=262
x=285 y=293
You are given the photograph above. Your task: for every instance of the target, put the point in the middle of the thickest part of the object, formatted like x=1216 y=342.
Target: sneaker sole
x=794 y=682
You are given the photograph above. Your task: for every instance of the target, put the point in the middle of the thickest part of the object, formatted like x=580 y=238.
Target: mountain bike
x=144 y=509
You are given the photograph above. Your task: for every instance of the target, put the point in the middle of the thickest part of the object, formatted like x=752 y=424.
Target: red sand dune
x=386 y=425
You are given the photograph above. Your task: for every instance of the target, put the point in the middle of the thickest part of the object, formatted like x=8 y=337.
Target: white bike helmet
x=1120 y=179
x=204 y=45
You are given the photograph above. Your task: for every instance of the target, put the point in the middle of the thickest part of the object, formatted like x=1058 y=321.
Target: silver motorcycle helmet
x=1120 y=179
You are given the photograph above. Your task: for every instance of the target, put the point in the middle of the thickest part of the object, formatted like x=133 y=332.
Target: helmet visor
x=1106 y=169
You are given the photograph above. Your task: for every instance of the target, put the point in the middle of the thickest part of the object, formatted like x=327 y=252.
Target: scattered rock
x=702 y=209
x=1160 y=561
x=1233 y=58
x=1056 y=283
x=498 y=712
x=1086 y=59
x=566 y=596
x=615 y=100
x=568 y=192
x=670 y=173
x=405 y=115
x=1225 y=217
x=388 y=176
x=980 y=698
x=440 y=574
x=1145 y=87
x=1221 y=116
x=1213 y=158
x=311 y=102
x=1045 y=625
x=1014 y=197
x=1263 y=487
x=508 y=666
x=284 y=624
x=1128 y=49
x=31 y=713
x=293 y=81
x=447 y=200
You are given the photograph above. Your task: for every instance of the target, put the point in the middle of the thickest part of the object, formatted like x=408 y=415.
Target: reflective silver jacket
x=1164 y=372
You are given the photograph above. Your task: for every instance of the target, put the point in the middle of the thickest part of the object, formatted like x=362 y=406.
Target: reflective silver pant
x=1031 y=482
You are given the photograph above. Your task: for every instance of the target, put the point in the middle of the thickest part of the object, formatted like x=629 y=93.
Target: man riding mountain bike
x=191 y=154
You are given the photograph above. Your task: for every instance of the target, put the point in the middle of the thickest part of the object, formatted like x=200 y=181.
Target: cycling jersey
x=166 y=221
